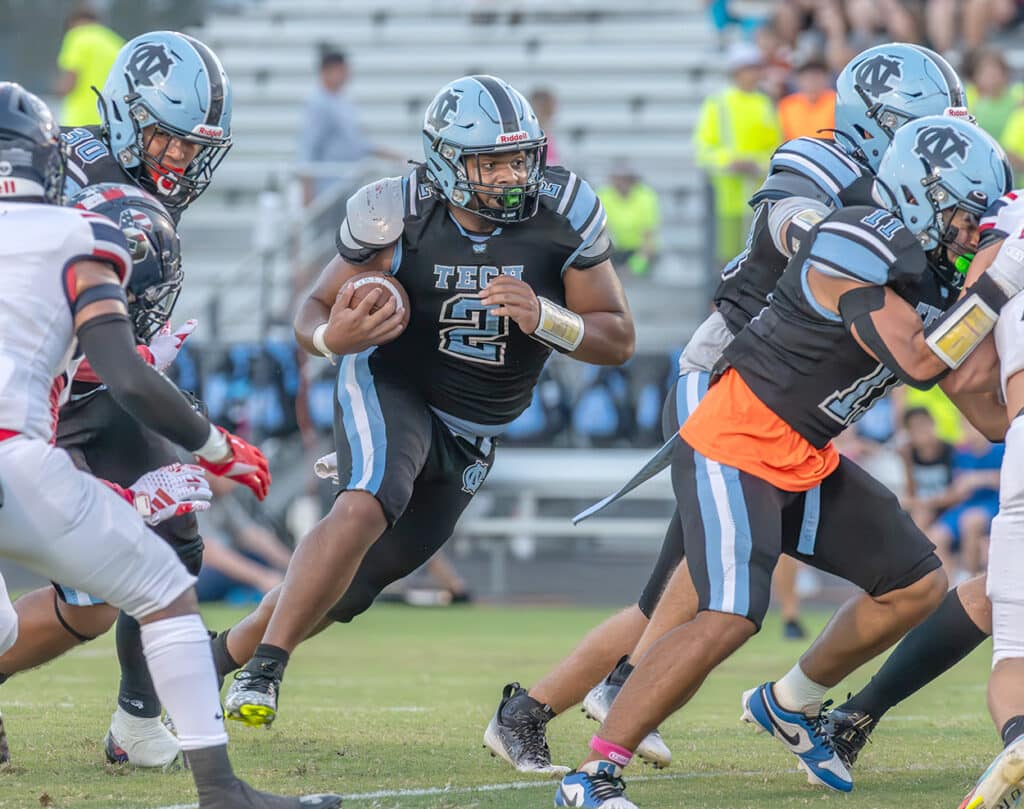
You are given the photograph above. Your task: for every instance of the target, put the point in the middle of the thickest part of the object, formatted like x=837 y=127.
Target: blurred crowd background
x=671 y=108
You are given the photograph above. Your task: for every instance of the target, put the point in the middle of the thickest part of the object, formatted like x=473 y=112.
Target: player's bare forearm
x=608 y=338
x=316 y=308
x=979 y=373
x=985 y=412
x=595 y=293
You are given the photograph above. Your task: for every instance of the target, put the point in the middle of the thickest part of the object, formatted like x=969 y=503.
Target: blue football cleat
x=801 y=735
x=596 y=785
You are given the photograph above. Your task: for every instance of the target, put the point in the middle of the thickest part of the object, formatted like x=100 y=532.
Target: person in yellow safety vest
x=737 y=131
x=633 y=219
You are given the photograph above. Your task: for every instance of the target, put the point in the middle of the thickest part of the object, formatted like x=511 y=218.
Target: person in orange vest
x=812 y=108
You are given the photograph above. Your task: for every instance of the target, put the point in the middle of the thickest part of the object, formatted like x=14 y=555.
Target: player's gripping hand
x=165 y=345
x=514 y=299
x=238 y=460
x=351 y=330
x=170 y=491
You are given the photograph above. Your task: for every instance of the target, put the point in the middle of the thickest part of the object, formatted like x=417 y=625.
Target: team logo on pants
x=473 y=477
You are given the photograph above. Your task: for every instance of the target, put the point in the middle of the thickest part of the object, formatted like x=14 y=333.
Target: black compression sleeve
x=140 y=389
x=856 y=308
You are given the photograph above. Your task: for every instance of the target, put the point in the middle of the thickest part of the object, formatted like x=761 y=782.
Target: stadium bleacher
x=629 y=86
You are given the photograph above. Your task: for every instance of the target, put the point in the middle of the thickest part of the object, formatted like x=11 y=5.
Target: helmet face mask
x=156 y=278
x=173 y=84
x=474 y=117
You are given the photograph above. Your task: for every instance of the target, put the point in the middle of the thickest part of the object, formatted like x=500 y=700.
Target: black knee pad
x=357 y=599
x=182 y=534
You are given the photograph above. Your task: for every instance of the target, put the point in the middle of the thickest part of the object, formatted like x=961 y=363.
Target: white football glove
x=166 y=344
x=170 y=491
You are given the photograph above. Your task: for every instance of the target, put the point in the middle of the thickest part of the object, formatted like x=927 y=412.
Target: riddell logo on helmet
x=513 y=137
x=208 y=131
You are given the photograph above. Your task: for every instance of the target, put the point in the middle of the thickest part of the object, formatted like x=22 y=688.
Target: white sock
x=797 y=692
x=181 y=664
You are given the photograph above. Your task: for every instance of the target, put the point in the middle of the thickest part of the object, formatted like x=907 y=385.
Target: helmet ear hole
x=908 y=195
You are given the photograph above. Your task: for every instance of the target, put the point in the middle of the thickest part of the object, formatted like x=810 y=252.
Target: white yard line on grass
x=426 y=792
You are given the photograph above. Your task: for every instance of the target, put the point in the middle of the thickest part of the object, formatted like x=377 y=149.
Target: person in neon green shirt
x=633 y=219
x=87 y=53
x=737 y=131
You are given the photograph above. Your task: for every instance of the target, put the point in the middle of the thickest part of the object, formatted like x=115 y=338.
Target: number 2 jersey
x=475 y=369
x=39 y=245
x=799 y=358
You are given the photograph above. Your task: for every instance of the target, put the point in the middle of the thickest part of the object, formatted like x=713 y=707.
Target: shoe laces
x=605 y=786
x=529 y=732
x=818 y=723
x=265 y=679
x=849 y=733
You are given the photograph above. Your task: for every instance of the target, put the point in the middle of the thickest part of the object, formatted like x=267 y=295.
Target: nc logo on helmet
x=939 y=145
x=877 y=74
x=149 y=60
x=444 y=111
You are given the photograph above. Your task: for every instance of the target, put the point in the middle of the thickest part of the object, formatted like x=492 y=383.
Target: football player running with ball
x=504 y=260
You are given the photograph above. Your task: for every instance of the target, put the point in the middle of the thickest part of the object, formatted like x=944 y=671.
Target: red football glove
x=247 y=465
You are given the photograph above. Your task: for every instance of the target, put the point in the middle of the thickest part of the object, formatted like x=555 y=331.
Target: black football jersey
x=469 y=363
x=799 y=358
x=90 y=162
x=812 y=167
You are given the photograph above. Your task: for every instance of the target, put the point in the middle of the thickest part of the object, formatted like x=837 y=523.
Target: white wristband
x=319 y=344
x=216 y=448
x=559 y=328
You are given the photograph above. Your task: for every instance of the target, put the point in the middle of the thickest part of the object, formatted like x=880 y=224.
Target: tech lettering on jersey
x=472 y=277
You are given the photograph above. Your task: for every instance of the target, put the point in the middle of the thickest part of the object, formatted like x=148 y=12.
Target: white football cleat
x=141 y=742
x=596 y=705
x=1000 y=786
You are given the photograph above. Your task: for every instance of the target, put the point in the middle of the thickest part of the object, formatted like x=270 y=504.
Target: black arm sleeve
x=144 y=392
x=856 y=307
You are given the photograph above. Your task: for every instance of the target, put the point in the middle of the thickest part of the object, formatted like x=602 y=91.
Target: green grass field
x=399 y=700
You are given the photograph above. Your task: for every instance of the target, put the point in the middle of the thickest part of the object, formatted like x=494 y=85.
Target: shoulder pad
x=784 y=184
x=572 y=198
x=374 y=215
x=869 y=245
x=821 y=161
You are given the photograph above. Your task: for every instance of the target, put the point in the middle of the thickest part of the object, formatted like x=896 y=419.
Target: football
x=366 y=282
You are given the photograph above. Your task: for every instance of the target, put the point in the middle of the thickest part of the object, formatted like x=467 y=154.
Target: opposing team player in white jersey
x=64 y=272
x=1002 y=784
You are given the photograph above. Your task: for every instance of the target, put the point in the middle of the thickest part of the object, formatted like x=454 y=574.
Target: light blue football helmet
x=176 y=83
x=884 y=87
x=935 y=166
x=478 y=115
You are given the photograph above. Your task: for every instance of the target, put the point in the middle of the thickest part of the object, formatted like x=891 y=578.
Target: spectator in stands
x=977 y=19
x=928 y=465
x=633 y=218
x=812 y=108
x=964 y=527
x=330 y=130
x=949 y=423
x=991 y=96
x=545 y=105
x=87 y=53
x=736 y=133
x=242 y=559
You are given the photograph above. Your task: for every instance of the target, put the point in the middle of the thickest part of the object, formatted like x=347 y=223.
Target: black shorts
x=677 y=406
x=392 y=445
x=106 y=441
x=736 y=525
